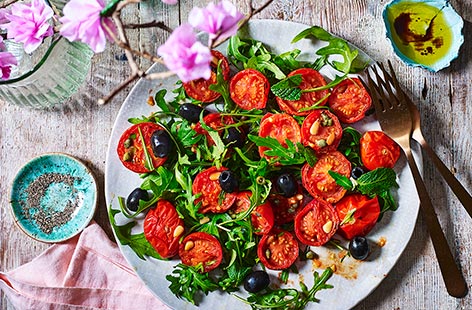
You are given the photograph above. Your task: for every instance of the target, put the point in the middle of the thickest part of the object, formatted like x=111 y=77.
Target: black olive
x=191 y=112
x=286 y=185
x=256 y=281
x=132 y=202
x=359 y=248
x=161 y=143
x=357 y=172
x=228 y=181
x=233 y=137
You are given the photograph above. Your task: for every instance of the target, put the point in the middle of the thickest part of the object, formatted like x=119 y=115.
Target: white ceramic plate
x=352 y=283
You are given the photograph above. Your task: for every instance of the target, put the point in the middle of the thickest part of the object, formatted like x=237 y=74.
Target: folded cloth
x=85 y=272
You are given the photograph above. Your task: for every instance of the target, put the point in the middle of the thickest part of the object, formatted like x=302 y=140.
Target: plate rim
x=111 y=196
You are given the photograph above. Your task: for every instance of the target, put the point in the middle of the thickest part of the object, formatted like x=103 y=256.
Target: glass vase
x=49 y=80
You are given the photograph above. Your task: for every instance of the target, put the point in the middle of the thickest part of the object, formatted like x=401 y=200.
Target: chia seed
x=45 y=216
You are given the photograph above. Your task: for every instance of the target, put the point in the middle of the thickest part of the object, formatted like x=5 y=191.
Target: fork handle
x=453 y=279
x=461 y=193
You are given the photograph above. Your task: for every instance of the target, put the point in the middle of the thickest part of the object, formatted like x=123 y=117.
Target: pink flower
x=185 y=56
x=29 y=23
x=219 y=20
x=7 y=60
x=82 y=22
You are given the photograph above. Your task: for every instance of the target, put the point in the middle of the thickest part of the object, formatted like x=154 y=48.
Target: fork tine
x=374 y=92
x=393 y=77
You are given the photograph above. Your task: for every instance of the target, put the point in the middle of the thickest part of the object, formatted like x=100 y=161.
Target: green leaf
x=187 y=281
x=377 y=181
x=288 y=88
x=341 y=180
x=336 y=46
x=350 y=146
x=137 y=243
x=160 y=101
x=222 y=87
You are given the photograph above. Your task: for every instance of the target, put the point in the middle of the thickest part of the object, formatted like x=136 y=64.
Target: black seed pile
x=45 y=216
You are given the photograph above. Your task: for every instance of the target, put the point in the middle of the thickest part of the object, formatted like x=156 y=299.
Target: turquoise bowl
x=424 y=33
x=53 y=197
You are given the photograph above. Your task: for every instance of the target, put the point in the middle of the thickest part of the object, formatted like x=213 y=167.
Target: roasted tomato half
x=281 y=127
x=201 y=248
x=358 y=215
x=310 y=79
x=285 y=208
x=378 y=150
x=131 y=151
x=212 y=197
x=278 y=250
x=262 y=217
x=249 y=89
x=316 y=223
x=199 y=89
x=321 y=131
x=215 y=121
x=350 y=100
x=319 y=183
x=163 y=228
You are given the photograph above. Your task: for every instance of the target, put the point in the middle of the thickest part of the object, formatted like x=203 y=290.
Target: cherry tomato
x=213 y=198
x=358 y=215
x=130 y=147
x=316 y=223
x=281 y=127
x=262 y=217
x=201 y=248
x=378 y=150
x=285 y=208
x=249 y=89
x=163 y=228
x=319 y=183
x=278 y=250
x=310 y=79
x=321 y=131
x=215 y=121
x=350 y=100
x=199 y=89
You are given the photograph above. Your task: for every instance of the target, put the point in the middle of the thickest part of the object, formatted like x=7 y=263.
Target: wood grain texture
x=82 y=128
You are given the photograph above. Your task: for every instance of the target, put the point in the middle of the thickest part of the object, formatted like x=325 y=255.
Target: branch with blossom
x=95 y=22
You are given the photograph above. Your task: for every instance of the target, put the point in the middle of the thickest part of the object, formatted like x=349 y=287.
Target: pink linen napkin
x=85 y=272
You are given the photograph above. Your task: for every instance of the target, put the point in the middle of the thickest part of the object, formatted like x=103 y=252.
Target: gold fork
x=460 y=192
x=393 y=114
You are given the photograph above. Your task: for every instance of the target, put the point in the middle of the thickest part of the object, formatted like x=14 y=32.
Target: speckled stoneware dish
x=425 y=33
x=53 y=197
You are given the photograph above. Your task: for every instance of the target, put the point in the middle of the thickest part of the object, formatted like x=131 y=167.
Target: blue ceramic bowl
x=425 y=33
x=53 y=197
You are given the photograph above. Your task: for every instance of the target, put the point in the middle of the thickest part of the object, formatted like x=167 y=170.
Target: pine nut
x=315 y=127
x=330 y=138
x=178 y=231
x=214 y=176
x=328 y=226
x=189 y=245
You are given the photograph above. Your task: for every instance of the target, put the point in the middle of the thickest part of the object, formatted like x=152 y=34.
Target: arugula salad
x=246 y=174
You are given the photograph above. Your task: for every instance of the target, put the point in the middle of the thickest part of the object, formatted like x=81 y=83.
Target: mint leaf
x=288 y=88
x=377 y=181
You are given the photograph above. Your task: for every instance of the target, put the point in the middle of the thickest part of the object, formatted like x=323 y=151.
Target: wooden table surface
x=81 y=128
